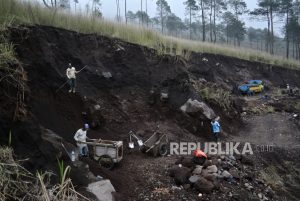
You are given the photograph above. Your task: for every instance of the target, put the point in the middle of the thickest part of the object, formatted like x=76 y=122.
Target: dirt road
x=278 y=129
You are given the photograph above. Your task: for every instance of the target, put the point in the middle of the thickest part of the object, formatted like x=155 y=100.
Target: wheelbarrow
x=157 y=144
x=106 y=152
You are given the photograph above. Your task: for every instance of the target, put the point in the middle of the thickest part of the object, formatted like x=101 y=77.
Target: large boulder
x=194 y=106
x=181 y=175
x=102 y=189
x=203 y=185
x=187 y=162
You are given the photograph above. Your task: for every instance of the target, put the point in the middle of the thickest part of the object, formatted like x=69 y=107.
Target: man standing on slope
x=71 y=74
x=80 y=136
x=216 y=128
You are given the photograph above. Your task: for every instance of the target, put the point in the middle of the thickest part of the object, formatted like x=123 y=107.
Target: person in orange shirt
x=199 y=157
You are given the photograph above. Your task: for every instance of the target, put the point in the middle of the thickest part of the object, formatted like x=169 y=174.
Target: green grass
x=215 y=94
x=17 y=183
x=21 y=12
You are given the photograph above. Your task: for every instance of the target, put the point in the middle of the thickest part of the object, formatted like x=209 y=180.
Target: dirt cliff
x=129 y=99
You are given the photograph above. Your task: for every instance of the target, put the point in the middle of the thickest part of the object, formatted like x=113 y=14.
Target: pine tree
x=191 y=9
x=163 y=10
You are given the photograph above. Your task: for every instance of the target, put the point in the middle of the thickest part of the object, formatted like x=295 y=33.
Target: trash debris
x=107 y=75
x=204 y=59
x=164 y=96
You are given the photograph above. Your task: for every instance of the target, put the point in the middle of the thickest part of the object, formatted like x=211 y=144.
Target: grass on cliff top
x=14 y=12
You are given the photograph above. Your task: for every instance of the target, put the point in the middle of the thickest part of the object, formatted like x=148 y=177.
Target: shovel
x=131 y=143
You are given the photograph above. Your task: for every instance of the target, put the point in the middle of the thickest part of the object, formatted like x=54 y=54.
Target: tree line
x=215 y=21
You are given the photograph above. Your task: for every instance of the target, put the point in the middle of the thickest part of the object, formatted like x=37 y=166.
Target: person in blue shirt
x=216 y=128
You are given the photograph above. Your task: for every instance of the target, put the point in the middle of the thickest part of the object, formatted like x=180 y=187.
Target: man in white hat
x=80 y=137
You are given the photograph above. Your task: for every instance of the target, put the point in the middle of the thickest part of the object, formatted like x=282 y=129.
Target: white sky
x=109 y=10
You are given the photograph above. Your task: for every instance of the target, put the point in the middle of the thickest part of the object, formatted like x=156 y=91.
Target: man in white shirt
x=80 y=136
x=71 y=74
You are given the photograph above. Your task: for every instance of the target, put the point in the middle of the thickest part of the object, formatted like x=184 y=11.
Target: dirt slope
x=125 y=99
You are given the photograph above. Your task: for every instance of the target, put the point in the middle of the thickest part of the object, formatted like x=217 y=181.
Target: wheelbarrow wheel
x=106 y=161
x=143 y=149
x=163 y=149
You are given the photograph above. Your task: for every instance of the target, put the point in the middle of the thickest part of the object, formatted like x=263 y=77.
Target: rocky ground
x=128 y=87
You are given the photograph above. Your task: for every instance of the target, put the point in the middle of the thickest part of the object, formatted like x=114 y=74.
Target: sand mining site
x=126 y=87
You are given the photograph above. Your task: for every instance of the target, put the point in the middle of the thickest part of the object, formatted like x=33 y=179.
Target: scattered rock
x=102 y=189
x=164 y=96
x=226 y=166
x=244 y=114
x=211 y=177
x=215 y=161
x=247 y=161
x=107 y=75
x=226 y=174
x=270 y=193
x=193 y=179
x=172 y=170
x=204 y=59
x=248 y=186
x=174 y=188
x=207 y=163
x=232 y=158
x=198 y=170
x=204 y=186
x=97 y=107
x=234 y=173
x=212 y=169
x=187 y=162
x=186 y=186
x=259 y=181
x=181 y=175
x=202 y=80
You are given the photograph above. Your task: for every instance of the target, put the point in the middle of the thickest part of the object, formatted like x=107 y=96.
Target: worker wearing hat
x=80 y=138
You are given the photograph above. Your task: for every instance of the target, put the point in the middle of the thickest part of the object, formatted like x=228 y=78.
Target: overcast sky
x=109 y=10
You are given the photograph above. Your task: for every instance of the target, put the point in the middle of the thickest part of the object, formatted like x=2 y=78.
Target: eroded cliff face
x=143 y=90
